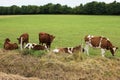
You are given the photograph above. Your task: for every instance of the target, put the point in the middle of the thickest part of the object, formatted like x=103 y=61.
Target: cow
x=30 y=45
x=100 y=42
x=10 y=46
x=35 y=46
x=46 y=38
x=24 y=38
x=40 y=47
x=69 y=50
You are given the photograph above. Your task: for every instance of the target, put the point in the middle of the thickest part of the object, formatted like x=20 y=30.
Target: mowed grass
x=68 y=29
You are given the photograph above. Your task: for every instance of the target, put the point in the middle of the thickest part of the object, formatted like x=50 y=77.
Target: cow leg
x=40 y=42
x=21 y=43
x=102 y=52
x=48 y=45
x=87 y=49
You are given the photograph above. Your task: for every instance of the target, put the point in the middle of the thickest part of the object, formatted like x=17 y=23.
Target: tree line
x=91 y=8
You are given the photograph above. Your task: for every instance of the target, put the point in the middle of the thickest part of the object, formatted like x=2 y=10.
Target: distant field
x=68 y=29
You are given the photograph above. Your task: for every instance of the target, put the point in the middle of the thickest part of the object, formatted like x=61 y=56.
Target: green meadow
x=68 y=29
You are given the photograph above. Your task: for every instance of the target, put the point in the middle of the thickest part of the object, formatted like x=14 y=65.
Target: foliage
x=59 y=66
x=94 y=8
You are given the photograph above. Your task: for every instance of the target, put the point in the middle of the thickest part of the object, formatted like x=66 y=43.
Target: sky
x=71 y=3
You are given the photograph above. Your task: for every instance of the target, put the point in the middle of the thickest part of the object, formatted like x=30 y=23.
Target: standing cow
x=10 y=46
x=24 y=38
x=46 y=38
x=99 y=42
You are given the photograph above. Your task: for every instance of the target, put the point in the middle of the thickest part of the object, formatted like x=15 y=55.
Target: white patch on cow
x=100 y=43
x=114 y=49
x=28 y=45
x=90 y=45
x=56 y=51
x=46 y=48
x=102 y=52
x=70 y=50
x=108 y=39
x=92 y=36
x=88 y=36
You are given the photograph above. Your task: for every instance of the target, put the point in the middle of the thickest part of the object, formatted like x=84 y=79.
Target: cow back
x=95 y=41
x=45 y=37
x=25 y=37
x=39 y=47
x=15 y=46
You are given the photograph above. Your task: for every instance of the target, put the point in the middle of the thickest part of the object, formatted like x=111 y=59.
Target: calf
x=46 y=38
x=34 y=46
x=10 y=46
x=24 y=38
x=99 y=42
x=29 y=45
x=69 y=50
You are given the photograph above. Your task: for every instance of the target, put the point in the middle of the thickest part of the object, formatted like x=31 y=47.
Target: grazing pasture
x=69 y=30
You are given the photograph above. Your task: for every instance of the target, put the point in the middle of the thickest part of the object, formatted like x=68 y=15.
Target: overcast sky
x=71 y=3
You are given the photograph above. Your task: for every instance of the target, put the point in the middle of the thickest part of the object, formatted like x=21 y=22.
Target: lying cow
x=99 y=42
x=46 y=38
x=29 y=45
x=10 y=46
x=69 y=50
x=34 y=46
x=24 y=38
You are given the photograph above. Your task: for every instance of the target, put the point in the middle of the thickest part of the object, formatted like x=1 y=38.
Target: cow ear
x=116 y=47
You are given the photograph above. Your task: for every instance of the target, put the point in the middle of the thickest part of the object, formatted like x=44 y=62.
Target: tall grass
x=60 y=66
x=68 y=29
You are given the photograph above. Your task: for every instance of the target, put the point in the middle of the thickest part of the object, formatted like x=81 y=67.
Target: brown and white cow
x=29 y=45
x=10 y=46
x=69 y=50
x=99 y=42
x=40 y=47
x=34 y=46
x=24 y=38
x=46 y=38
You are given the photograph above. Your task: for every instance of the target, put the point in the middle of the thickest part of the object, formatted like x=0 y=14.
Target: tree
x=24 y=10
x=93 y=8
x=78 y=9
x=14 y=10
x=113 y=8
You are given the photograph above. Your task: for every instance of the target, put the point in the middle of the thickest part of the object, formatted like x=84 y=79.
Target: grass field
x=68 y=29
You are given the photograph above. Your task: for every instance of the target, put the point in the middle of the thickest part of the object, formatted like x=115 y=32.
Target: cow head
x=19 y=40
x=52 y=38
x=7 y=40
x=113 y=50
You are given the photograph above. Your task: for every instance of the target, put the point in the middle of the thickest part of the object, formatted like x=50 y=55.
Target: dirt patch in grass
x=60 y=66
